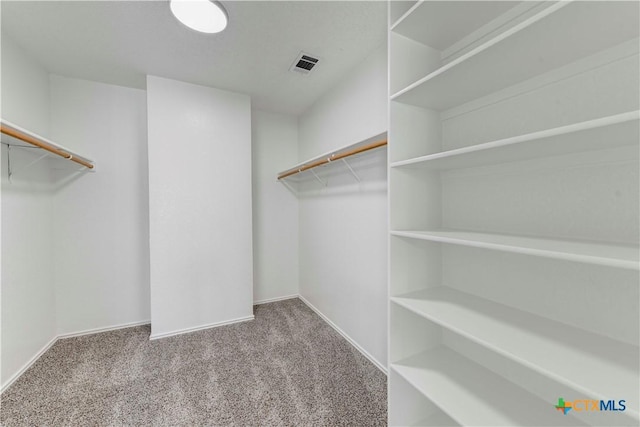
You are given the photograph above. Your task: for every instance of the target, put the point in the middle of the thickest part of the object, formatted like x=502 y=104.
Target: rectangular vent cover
x=304 y=63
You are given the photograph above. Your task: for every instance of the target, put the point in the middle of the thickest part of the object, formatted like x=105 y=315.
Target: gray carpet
x=287 y=367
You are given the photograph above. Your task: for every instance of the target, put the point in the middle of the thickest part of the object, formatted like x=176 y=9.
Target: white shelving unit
x=454 y=382
x=514 y=140
x=530 y=339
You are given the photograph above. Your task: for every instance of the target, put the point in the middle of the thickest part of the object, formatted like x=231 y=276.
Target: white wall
x=200 y=206
x=25 y=89
x=101 y=224
x=343 y=230
x=28 y=299
x=274 y=143
x=352 y=111
x=74 y=246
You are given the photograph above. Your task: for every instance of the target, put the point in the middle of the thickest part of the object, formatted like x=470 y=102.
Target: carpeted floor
x=287 y=367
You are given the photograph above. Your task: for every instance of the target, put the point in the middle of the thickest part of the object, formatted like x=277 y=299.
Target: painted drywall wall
x=354 y=110
x=101 y=218
x=274 y=144
x=343 y=227
x=28 y=299
x=25 y=89
x=200 y=206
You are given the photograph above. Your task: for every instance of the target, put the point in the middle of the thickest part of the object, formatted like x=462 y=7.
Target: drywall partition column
x=275 y=208
x=343 y=243
x=200 y=206
x=101 y=231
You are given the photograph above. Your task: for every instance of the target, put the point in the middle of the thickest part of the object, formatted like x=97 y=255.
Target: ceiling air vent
x=304 y=63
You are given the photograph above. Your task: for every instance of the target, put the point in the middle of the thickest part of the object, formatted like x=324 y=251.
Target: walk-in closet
x=320 y=213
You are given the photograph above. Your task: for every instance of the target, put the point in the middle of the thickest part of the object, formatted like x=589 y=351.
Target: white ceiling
x=119 y=42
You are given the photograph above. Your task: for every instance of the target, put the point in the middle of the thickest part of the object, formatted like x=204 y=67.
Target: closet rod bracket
x=286 y=184
x=355 y=175
x=324 y=184
x=11 y=170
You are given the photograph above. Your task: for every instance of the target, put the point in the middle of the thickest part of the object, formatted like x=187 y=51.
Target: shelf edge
x=513 y=141
x=474 y=52
x=406 y=14
x=567 y=256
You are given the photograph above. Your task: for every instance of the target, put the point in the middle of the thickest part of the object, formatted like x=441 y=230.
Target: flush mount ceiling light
x=206 y=16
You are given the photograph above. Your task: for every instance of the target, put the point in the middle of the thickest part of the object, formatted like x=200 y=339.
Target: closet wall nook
x=513 y=190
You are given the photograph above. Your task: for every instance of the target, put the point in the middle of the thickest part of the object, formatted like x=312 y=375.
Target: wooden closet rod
x=333 y=158
x=33 y=141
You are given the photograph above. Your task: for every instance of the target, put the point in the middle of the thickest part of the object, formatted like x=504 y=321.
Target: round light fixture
x=206 y=16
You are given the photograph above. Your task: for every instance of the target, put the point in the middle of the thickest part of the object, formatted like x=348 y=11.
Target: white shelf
x=603 y=133
x=399 y=10
x=19 y=143
x=619 y=256
x=473 y=395
x=439 y=419
x=440 y=24
x=592 y=364
x=328 y=166
x=556 y=36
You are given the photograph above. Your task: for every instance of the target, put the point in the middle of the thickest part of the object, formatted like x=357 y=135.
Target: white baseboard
x=27 y=365
x=105 y=329
x=199 y=328
x=364 y=352
x=268 y=300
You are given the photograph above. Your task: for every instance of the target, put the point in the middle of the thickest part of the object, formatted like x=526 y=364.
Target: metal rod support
x=33 y=162
x=286 y=184
x=318 y=178
x=355 y=175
